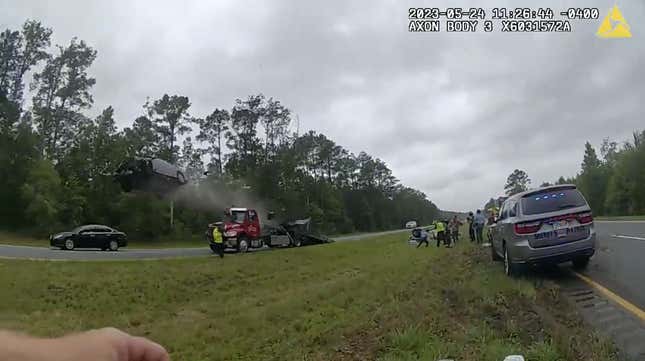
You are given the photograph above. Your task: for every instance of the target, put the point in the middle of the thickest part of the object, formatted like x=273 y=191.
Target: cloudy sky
x=452 y=114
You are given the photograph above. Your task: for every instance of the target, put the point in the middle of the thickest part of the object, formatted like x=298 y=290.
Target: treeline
x=55 y=161
x=613 y=183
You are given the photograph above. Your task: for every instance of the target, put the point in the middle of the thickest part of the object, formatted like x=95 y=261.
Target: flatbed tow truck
x=242 y=230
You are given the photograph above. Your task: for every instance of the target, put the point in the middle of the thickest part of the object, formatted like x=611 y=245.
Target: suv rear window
x=551 y=201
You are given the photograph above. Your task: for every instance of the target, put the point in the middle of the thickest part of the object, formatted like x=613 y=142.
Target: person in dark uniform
x=471 y=227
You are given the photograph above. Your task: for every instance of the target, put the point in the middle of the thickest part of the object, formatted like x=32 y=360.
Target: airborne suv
x=545 y=225
x=151 y=174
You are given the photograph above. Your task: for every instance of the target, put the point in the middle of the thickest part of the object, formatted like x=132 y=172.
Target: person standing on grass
x=447 y=234
x=455 y=223
x=479 y=221
x=218 y=241
x=471 y=229
x=440 y=230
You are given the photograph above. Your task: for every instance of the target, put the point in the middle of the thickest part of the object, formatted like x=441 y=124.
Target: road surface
x=619 y=263
x=43 y=253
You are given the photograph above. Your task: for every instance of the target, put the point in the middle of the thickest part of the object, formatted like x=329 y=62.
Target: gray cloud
x=452 y=114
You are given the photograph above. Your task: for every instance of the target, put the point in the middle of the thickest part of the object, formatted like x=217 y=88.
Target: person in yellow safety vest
x=218 y=242
x=440 y=228
x=492 y=212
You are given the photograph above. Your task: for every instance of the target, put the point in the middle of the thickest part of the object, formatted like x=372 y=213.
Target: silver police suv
x=546 y=225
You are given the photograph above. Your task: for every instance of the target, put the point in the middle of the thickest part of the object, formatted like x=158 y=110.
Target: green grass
x=17 y=239
x=365 y=300
x=620 y=218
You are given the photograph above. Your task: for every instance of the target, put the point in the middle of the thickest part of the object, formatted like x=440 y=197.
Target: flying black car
x=149 y=174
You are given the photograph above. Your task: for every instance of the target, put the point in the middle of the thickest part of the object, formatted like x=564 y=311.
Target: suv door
x=498 y=234
x=511 y=214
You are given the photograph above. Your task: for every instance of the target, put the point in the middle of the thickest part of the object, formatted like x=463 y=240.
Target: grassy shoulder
x=364 y=300
x=621 y=218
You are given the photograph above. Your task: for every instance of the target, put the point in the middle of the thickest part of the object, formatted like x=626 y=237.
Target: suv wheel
x=511 y=269
x=242 y=245
x=69 y=244
x=581 y=263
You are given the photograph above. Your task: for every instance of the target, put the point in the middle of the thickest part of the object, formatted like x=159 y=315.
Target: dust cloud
x=215 y=199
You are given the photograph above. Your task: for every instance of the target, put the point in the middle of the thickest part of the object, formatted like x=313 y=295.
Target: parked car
x=546 y=225
x=411 y=224
x=89 y=236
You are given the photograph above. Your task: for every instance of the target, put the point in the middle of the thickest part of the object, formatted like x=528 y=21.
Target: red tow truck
x=241 y=230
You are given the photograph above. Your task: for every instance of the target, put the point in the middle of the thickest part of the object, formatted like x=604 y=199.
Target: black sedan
x=90 y=236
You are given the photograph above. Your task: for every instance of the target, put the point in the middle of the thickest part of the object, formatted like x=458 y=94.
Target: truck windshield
x=237 y=217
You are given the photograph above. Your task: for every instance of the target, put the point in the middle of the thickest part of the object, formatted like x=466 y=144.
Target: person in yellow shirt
x=440 y=229
x=218 y=242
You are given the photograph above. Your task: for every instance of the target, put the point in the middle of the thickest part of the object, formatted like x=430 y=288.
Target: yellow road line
x=614 y=297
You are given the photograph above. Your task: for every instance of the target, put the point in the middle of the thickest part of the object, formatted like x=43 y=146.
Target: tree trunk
x=219 y=152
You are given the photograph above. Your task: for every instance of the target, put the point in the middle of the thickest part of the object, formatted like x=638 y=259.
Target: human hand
x=106 y=344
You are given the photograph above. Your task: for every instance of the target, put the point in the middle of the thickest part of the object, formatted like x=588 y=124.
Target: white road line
x=628 y=237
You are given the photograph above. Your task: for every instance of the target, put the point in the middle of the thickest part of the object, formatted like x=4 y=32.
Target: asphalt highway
x=619 y=262
x=44 y=253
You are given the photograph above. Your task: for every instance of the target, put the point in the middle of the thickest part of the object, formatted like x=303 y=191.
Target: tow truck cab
x=241 y=229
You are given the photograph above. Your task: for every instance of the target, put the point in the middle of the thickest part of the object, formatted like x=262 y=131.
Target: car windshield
x=551 y=201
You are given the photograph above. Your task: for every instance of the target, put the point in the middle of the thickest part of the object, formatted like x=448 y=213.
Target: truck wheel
x=297 y=242
x=242 y=245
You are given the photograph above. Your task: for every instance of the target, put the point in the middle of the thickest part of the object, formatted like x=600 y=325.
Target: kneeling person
x=423 y=238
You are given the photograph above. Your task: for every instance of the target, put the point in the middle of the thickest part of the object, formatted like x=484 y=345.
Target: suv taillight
x=585 y=218
x=527 y=227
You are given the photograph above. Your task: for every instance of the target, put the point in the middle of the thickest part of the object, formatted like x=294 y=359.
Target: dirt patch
x=362 y=345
